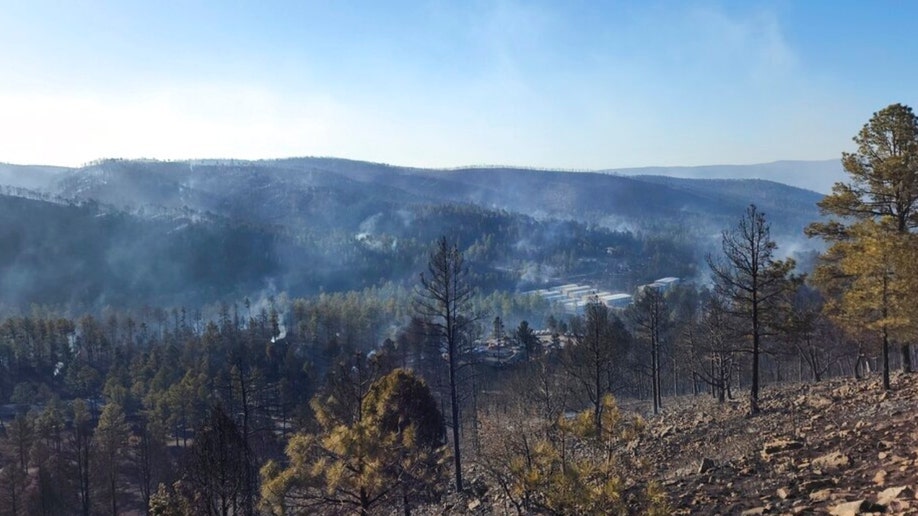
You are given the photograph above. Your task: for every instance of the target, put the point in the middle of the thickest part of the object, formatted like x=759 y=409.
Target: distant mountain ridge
x=818 y=176
x=815 y=175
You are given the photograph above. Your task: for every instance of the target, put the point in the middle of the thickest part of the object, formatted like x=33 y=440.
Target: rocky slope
x=840 y=447
x=843 y=446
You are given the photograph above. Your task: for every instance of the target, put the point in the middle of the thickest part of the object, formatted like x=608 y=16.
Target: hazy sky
x=570 y=84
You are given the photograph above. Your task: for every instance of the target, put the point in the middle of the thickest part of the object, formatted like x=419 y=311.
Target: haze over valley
x=126 y=232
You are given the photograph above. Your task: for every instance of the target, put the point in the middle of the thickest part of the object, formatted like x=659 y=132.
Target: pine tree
x=81 y=440
x=870 y=278
x=111 y=440
x=650 y=317
x=883 y=189
x=601 y=342
x=391 y=456
x=753 y=283
x=444 y=301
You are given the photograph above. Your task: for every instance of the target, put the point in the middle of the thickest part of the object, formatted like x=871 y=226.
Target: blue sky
x=567 y=84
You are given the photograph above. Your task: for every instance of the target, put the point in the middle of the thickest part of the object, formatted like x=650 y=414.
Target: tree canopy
x=868 y=271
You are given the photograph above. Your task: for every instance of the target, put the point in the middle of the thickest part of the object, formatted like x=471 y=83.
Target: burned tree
x=752 y=282
x=444 y=301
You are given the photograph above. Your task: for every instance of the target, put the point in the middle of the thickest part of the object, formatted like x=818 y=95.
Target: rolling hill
x=121 y=231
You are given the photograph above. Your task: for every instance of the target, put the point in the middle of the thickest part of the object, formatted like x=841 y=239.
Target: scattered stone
x=816 y=484
x=849 y=508
x=474 y=504
x=821 y=495
x=830 y=461
x=857 y=507
x=781 y=445
x=791 y=458
x=899 y=506
x=880 y=478
x=844 y=391
x=753 y=512
x=819 y=402
x=887 y=496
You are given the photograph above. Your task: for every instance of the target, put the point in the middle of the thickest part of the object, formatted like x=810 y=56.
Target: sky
x=573 y=84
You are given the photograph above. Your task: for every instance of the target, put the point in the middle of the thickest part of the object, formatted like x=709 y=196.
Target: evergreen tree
x=111 y=440
x=219 y=471
x=601 y=343
x=882 y=187
x=444 y=300
x=753 y=283
x=870 y=279
x=81 y=441
x=391 y=456
x=650 y=318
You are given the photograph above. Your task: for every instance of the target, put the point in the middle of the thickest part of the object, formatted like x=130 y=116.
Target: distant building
x=617 y=300
x=580 y=292
x=667 y=282
x=662 y=284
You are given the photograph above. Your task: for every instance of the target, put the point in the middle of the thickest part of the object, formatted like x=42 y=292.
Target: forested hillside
x=172 y=233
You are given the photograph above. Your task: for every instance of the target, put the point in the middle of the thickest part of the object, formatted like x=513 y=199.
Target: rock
x=821 y=495
x=887 y=496
x=880 y=478
x=849 y=508
x=753 y=512
x=856 y=507
x=781 y=445
x=474 y=504
x=830 y=461
x=819 y=402
x=683 y=472
x=783 y=493
x=705 y=466
x=899 y=506
x=844 y=391
x=815 y=484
